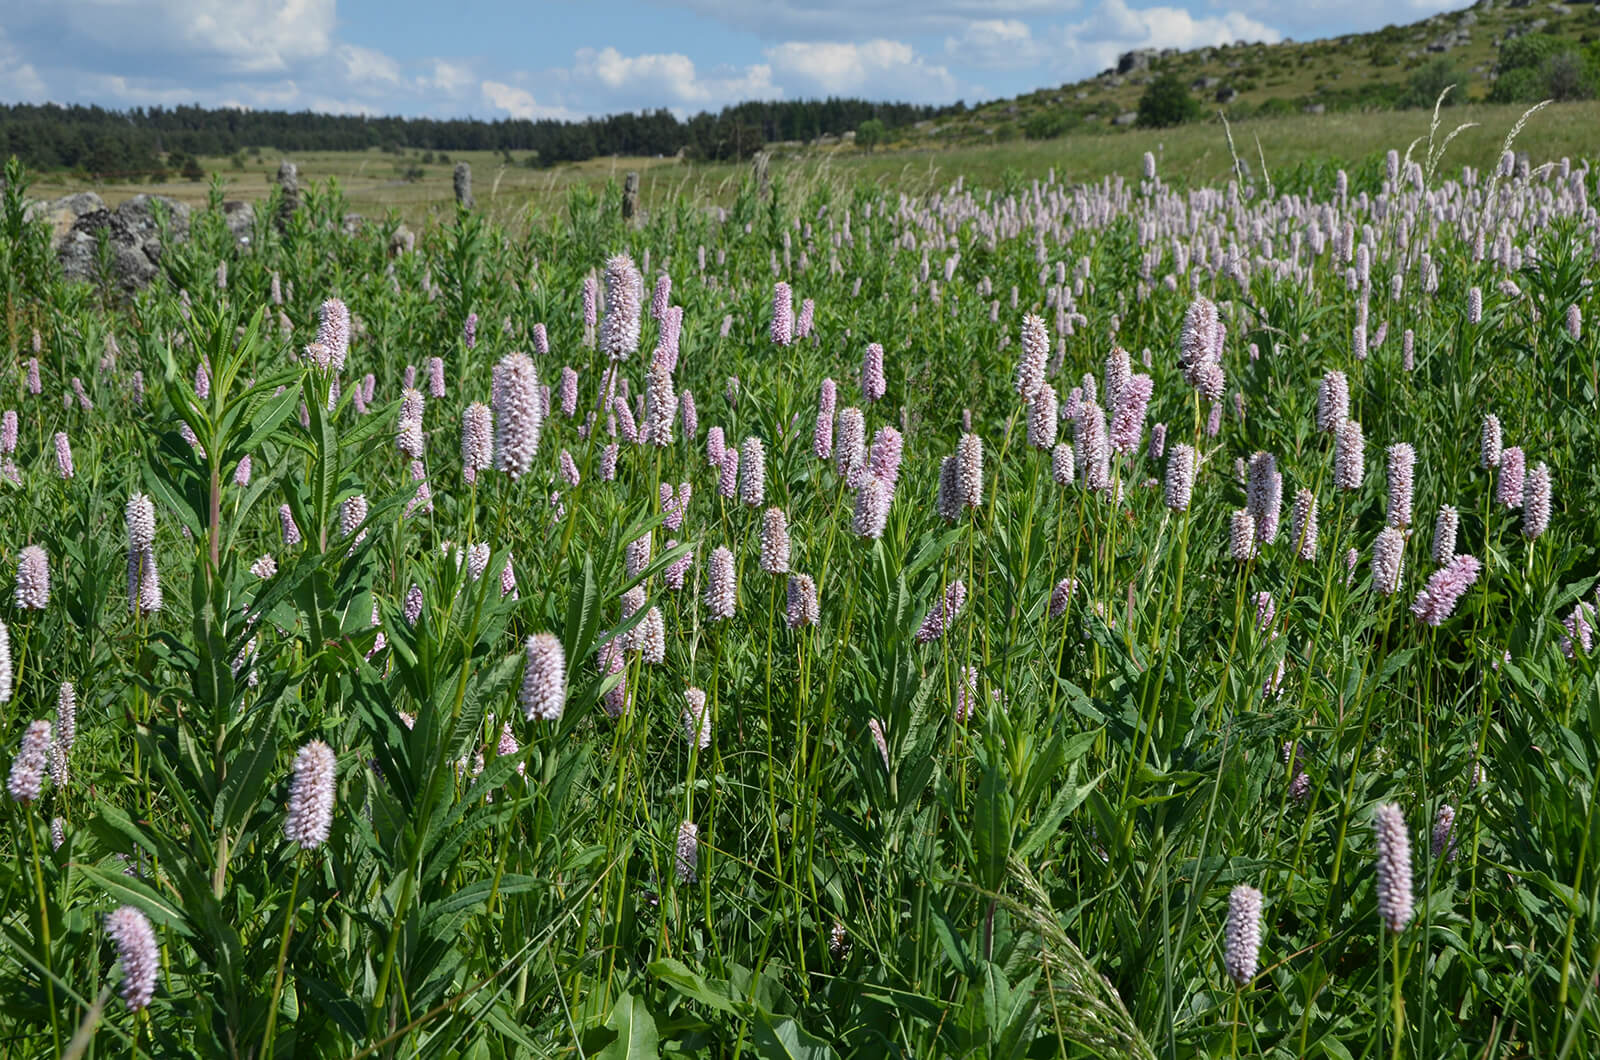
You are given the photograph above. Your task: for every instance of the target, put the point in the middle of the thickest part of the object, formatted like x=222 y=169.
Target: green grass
x=1193 y=154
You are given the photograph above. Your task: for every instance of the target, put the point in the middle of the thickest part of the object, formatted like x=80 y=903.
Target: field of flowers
x=1113 y=620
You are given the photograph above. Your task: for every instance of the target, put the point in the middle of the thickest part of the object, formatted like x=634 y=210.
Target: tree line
x=97 y=140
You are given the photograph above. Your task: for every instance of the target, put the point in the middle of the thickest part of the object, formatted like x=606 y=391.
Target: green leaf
x=692 y=985
x=637 y=1038
x=783 y=1039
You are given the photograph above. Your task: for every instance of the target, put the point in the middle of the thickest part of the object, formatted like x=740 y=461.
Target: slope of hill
x=1392 y=67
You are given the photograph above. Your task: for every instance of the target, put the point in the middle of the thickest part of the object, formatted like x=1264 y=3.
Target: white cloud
x=999 y=43
x=449 y=78
x=19 y=81
x=365 y=66
x=1093 y=44
x=244 y=36
x=670 y=79
x=826 y=20
x=884 y=69
x=519 y=103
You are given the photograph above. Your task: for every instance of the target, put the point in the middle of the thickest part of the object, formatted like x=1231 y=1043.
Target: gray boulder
x=240 y=217
x=133 y=235
x=61 y=214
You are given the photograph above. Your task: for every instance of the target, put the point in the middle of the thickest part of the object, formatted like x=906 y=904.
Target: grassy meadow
x=929 y=610
x=1310 y=145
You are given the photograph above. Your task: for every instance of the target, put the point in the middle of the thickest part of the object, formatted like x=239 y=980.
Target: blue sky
x=569 y=59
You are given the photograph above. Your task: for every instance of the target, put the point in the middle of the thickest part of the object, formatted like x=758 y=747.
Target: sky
x=571 y=59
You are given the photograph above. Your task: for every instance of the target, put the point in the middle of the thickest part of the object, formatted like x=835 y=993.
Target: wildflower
x=1180 y=477
x=696 y=718
x=774 y=542
x=850 y=447
x=1388 y=560
x=291 y=532
x=1536 y=502
x=884 y=456
x=943 y=614
x=310 y=813
x=1475 y=306
x=333 y=331
x=782 y=314
x=1303 y=524
x=873 y=384
x=436 y=376
x=728 y=480
x=352 y=513
x=688 y=854
x=1333 y=402
x=1445 y=587
x=1093 y=450
x=619 y=332
x=33 y=758
x=33 y=579
x=140 y=518
x=636 y=556
x=241 y=472
x=716 y=446
x=651 y=637
x=1394 y=866
x=687 y=413
x=871 y=513
x=1348 y=455
x=969 y=471
x=1489 y=446
x=8 y=432
x=722 y=588
x=1264 y=496
x=64 y=455
x=544 y=678
x=569 y=469
x=1200 y=336
x=66 y=715
x=1128 y=413
x=1031 y=361
x=1509 y=486
x=1444 y=840
x=568 y=391
x=1243 y=933
x=802 y=605
x=518 y=415
x=1242 y=536
x=1063 y=464
x=608 y=462
x=1061 y=595
x=661 y=405
x=753 y=483
x=137 y=952
x=1444 y=535
x=1398 y=469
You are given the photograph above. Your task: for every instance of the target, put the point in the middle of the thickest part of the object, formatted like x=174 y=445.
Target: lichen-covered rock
x=133 y=231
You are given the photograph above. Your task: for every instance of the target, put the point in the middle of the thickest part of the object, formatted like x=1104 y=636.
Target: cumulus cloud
x=240 y=36
x=519 y=103
x=997 y=43
x=669 y=79
x=887 y=69
x=1112 y=28
x=825 y=20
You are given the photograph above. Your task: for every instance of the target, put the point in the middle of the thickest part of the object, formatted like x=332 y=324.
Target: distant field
x=1197 y=153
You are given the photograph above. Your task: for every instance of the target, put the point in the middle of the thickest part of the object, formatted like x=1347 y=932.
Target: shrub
x=1167 y=102
x=1432 y=78
x=870 y=134
x=1048 y=124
